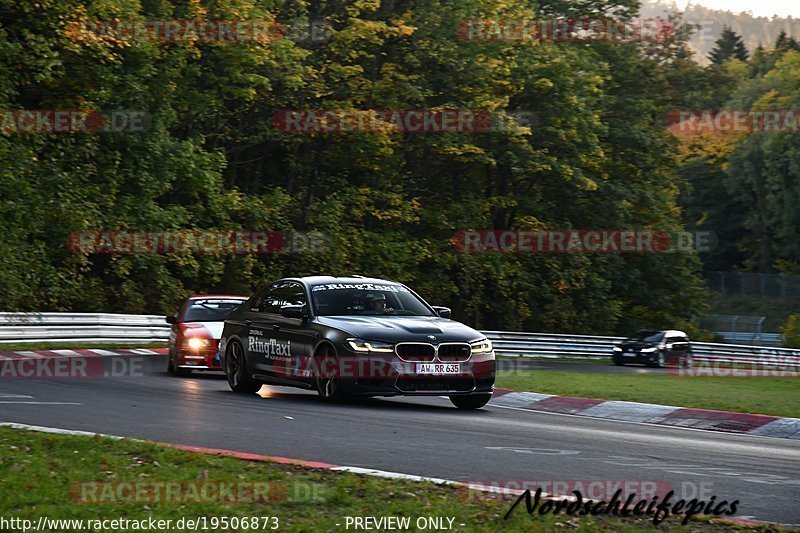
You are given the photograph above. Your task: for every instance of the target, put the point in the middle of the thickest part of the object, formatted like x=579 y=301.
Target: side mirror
x=294 y=311
x=171 y=319
x=443 y=312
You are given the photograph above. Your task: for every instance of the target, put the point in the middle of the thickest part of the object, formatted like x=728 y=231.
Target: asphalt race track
x=424 y=436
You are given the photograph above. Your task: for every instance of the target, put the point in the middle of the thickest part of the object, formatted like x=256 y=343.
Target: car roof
x=207 y=296
x=665 y=332
x=319 y=280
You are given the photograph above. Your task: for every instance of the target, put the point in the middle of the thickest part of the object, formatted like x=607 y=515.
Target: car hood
x=637 y=345
x=213 y=330
x=402 y=329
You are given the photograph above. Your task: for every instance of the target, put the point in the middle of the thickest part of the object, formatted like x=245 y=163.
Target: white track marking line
x=42 y=403
x=14 y=396
x=26 y=353
x=59 y=431
x=102 y=352
x=67 y=353
x=393 y=475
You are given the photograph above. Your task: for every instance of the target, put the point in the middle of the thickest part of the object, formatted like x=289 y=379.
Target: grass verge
x=759 y=395
x=43 y=475
x=556 y=359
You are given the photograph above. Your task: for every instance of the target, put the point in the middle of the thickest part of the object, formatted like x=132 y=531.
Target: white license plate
x=631 y=354
x=438 y=368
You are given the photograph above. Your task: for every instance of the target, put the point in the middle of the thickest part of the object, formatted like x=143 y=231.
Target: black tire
x=618 y=362
x=661 y=360
x=328 y=383
x=173 y=368
x=472 y=401
x=236 y=370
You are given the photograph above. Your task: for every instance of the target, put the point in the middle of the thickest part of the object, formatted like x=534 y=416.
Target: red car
x=196 y=330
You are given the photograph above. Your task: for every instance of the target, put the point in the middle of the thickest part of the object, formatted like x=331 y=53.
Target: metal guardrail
x=108 y=327
x=514 y=343
x=520 y=344
x=761 y=339
x=82 y=327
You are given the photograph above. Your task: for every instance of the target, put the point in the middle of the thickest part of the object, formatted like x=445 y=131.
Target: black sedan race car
x=354 y=336
x=654 y=348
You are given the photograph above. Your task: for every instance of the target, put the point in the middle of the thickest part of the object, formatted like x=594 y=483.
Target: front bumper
x=652 y=358
x=199 y=359
x=387 y=375
x=636 y=357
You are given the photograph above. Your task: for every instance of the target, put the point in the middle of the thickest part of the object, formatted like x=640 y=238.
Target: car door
x=296 y=331
x=678 y=348
x=275 y=343
x=174 y=330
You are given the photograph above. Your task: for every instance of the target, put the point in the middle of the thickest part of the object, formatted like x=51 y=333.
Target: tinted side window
x=292 y=294
x=279 y=295
x=267 y=295
x=678 y=342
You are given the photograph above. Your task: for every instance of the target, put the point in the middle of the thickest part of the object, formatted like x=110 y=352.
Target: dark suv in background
x=654 y=348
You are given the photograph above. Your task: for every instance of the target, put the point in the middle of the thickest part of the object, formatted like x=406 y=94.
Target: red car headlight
x=195 y=343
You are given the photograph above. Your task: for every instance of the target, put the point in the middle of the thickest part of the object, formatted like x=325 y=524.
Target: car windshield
x=342 y=299
x=647 y=336
x=210 y=310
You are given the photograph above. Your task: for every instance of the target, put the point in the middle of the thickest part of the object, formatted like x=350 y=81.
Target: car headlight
x=360 y=345
x=195 y=343
x=617 y=349
x=649 y=350
x=481 y=346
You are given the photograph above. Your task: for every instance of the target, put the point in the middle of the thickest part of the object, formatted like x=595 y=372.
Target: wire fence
x=741 y=329
x=776 y=286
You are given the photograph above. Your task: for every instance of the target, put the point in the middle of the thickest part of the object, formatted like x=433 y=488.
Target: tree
x=595 y=157
x=729 y=45
x=763 y=172
x=791 y=332
x=782 y=40
x=784 y=43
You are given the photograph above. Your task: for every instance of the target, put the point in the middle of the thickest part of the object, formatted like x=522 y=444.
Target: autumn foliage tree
x=591 y=153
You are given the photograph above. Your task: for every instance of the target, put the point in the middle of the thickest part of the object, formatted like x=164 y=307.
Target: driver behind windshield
x=378 y=304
